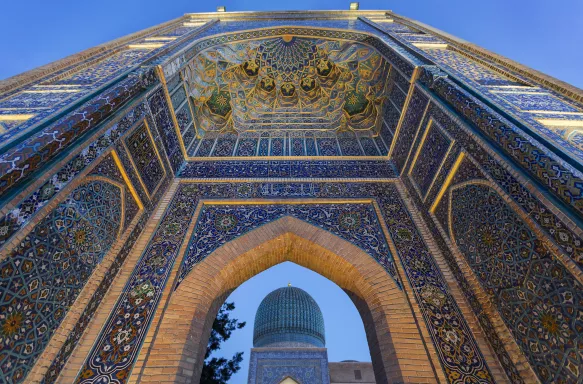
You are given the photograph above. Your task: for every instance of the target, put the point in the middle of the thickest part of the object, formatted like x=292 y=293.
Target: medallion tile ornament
x=116 y=349
x=538 y=298
x=277 y=109
x=43 y=275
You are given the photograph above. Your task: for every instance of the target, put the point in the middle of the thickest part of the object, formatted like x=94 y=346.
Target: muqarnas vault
x=437 y=183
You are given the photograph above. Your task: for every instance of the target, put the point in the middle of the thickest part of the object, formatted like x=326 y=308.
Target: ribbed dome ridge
x=288 y=316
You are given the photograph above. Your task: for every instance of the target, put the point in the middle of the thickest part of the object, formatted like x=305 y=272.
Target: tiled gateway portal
x=438 y=183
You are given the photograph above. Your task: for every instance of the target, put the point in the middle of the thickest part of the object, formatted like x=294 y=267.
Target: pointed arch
x=395 y=340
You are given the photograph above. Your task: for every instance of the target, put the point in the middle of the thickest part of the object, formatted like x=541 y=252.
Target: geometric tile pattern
x=163 y=119
x=43 y=275
x=284 y=143
x=118 y=345
x=109 y=169
x=557 y=229
x=144 y=156
x=24 y=210
x=536 y=102
x=356 y=223
x=468 y=67
x=306 y=366
x=538 y=299
x=555 y=175
x=289 y=169
x=429 y=158
x=404 y=139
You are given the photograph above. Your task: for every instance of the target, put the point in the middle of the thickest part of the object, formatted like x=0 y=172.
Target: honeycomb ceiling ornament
x=288 y=82
x=289 y=317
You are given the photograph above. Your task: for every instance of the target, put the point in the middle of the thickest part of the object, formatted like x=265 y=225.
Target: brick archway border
x=395 y=339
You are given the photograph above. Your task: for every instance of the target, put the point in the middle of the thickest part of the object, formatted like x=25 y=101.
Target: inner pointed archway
x=397 y=348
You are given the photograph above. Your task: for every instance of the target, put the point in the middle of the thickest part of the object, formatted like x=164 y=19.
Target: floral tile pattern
x=43 y=275
x=118 y=346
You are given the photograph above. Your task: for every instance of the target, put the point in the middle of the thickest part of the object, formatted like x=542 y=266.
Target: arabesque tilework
x=356 y=223
x=145 y=157
x=340 y=86
x=119 y=343
x=43 y=275
x=539 y=300
x=16 y=218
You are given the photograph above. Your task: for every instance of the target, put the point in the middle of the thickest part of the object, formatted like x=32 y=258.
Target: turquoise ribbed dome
x=289 y=317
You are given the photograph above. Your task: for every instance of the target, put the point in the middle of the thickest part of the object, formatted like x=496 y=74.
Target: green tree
x=219 y=370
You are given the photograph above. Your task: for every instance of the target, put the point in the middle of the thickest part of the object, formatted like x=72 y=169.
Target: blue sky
x=545 y=35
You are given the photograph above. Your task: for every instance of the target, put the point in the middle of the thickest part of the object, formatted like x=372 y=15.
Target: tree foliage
x=219 y=370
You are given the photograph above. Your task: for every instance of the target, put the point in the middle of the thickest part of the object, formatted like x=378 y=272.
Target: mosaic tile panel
x=44 y=274
x=458 y=352
x=184 y=119
x=304 y=366
x=247 y=147
x=141 y=149
x=466 y=171
x=490 y=332
x=165 y=125
x=391 y=118
x=263 y=147
x=397 y=98
x=538 y=299
x=556 y=175
x=355 y=223
x=52 y=96
x=386 y=135
x=297 y=146
x=554 y=226
x=75 y=335
x=225 y=146
x=536 y=102
x=468 y=67
x=361 y=169
x=327 y=146
x=311 y=149
x=369 y=147
x=429 y=158
x=299 y=143
x=409 y=127
x=349 y=146
x=277 y=147
x=23 y=212
x=108 y=168
x=21 y=161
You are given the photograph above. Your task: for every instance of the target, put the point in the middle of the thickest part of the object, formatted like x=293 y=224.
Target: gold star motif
x=323 y=65
x=268 y=82
x=307 y=82
x=252 y=65
x=287 y=87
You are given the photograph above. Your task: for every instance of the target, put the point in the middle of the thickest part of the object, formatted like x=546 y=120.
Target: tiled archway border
x=397 y=346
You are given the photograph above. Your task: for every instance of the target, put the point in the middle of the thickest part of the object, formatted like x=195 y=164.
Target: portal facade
x=439 y=184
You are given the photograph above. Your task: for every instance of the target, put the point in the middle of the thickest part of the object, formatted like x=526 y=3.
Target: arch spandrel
x=354 y=222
